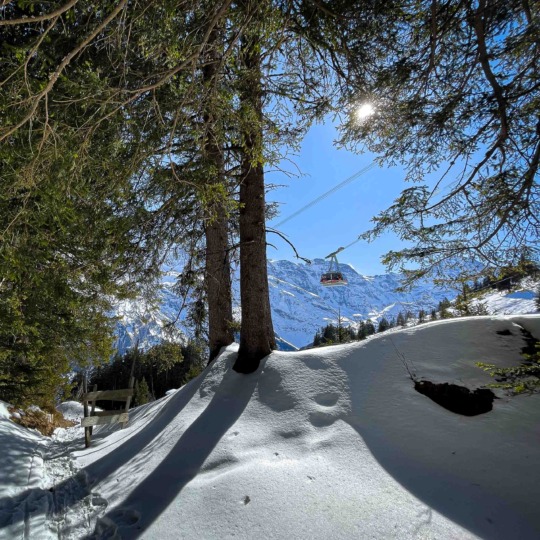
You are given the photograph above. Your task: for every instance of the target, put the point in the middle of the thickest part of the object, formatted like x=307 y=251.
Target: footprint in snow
x=326 y=399
x=321 y=419
x=107 y=526
x=123 y=517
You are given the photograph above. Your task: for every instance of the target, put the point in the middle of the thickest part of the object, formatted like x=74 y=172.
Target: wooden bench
x=97 y=418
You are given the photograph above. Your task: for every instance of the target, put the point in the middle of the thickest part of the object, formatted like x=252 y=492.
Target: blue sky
x=340 y=218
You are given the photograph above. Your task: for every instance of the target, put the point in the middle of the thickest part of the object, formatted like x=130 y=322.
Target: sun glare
x=364 y=111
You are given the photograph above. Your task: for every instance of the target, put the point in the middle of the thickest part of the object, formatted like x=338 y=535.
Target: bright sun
x=364 y=111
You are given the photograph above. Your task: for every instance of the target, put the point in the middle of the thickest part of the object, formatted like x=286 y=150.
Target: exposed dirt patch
x=505 y=332
x=35 y=418
x=457 y=399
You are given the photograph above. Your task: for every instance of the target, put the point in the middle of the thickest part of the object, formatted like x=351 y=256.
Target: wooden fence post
x=131 y=383
x=87 y=430
x=91 y=428
x=105 y=417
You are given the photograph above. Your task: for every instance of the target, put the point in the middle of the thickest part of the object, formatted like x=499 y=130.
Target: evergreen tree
x=463 y=301
x=166 y=366
x=141 y=393
x=370 y=328
x=460 y=77
x=362 y=331
x=400 y=319
x=444 y=304
x=71 y=219
x=218 y=271
x=383 y=325
x=422 y=316
x=330 y=334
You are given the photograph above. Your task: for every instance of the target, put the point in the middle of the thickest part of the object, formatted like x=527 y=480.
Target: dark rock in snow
x=457 y=399
x=505 y=332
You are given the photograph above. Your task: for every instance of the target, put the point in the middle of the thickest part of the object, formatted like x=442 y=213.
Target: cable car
x=333 y=277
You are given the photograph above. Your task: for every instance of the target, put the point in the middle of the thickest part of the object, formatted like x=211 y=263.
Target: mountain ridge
x=300 y=304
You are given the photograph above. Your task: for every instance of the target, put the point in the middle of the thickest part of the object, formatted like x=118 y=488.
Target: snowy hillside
x=522 y=299
x=325 y=443
x=144 y=324
x=300 y=305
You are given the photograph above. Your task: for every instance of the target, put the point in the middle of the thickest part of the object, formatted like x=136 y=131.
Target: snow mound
x=71 y=410
x=323 y=443
x=4 y=412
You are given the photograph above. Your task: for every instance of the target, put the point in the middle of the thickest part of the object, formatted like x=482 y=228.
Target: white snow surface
x=72 y=410
x=300 y=305
x=323 y=443
x=520 y=300
x=4 y=413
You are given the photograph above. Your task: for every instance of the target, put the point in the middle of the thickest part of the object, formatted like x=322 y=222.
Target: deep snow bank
x=324 y=443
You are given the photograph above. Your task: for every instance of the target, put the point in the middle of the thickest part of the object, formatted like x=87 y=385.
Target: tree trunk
x=257 y=334
x=218 y=270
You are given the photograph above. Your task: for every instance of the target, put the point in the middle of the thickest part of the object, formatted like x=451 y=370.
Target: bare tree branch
x=39 y=18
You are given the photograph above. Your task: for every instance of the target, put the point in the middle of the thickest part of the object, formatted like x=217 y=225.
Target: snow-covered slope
x=325 y=443
x=520 y=300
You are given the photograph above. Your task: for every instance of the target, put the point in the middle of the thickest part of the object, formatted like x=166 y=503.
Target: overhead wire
x=327 y=194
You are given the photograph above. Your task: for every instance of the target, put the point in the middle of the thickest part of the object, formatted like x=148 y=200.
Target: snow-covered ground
x=324 y=443
x=520 y=300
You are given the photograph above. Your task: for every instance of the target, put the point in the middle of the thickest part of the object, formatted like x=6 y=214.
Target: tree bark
x=218 y=269
x=257 y=335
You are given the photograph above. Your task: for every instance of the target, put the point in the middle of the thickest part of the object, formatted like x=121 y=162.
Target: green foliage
x=443 y=309
x=141 y=393
x=72 y=222
x=162 y=367
x=524 y=379
x=453 y=85
x=317 y=340
x=463 y=302
x=331 y=334
x=384 y=325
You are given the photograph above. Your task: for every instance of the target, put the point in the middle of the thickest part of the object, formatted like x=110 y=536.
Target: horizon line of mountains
x=300 y=304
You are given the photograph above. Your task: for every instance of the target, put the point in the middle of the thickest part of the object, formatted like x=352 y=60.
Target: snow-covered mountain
x=300 y=305
x=144 y=323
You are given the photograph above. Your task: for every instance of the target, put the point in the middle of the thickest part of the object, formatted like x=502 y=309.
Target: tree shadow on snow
x=164 y=483
x=184 y=461
x=447 y=463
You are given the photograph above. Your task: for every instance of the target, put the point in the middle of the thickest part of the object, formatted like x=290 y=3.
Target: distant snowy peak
x=143 y=324
x=301 y=305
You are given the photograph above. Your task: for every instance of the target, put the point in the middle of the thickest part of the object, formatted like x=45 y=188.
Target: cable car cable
x=327 y=194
